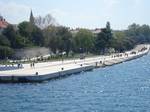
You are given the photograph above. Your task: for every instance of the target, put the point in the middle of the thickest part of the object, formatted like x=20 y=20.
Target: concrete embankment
x=123 y=57
x=39 y=78
x=51 y=70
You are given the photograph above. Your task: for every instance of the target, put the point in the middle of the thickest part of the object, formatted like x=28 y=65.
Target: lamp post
x=4 y=54
x=63 y=53
x=81 y=55
x=80 y=52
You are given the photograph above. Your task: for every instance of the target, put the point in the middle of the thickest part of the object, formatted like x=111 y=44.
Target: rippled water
x=120 y=88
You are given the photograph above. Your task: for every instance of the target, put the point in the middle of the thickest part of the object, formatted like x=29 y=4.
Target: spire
x=31 y=18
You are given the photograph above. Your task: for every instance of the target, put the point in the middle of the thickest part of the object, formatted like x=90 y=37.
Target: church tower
x=31 y=18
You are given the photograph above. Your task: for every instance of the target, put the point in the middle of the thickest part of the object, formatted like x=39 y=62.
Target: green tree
x=108 y=34
x=10 y=33
x=13 y=36
x=145 y=32
x=101 y=42
x=51 y=38
x=134 y=33
x=20 y=42
x=4 y=41
x=65 y=40
x=104 y=39
x=140 y=34
x=33 y=35
x=121 y=42
x=25 y=29
x=84 y=40
x=58 y=39
x=6 y=52
x=37 y=37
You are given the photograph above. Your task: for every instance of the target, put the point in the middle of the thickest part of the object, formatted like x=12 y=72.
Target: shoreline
x=50 y=70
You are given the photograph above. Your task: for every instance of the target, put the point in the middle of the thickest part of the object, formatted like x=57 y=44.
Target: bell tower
x=31 y=18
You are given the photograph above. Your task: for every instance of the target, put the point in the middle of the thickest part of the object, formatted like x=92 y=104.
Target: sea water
x=120 y=88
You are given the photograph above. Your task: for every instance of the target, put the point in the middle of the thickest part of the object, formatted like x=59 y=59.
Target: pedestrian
x=36 y=73
x=18 y=65
x=21 y=65
x=31 y=65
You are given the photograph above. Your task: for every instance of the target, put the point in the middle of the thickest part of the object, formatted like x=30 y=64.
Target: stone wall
x=31 y=52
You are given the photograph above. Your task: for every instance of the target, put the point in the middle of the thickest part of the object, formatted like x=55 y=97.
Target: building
x=32 y=21
x=3 y=24
x=94 y=31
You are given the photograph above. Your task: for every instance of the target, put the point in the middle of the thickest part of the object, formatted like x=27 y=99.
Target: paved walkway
x=52 y=67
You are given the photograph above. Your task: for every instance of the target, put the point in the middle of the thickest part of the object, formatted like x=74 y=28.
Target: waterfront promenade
x=47 y=70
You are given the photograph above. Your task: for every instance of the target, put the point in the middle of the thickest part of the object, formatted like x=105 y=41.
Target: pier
x=50 y=70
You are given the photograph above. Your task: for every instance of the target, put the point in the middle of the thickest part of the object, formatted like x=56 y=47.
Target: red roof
x=3 y=24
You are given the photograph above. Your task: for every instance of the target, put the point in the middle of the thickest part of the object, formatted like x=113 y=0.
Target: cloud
x=14 y=12
x=109 y=8
x=58 y=13
x=73 y=19
x=137 y=3
x=110 y=3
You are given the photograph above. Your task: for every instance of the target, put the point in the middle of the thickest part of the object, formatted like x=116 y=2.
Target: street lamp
x=63 y=53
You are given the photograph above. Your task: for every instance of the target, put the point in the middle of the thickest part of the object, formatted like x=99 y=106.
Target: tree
x=108 y=33
x=121 y=42
x=6 y=52
x=140 y=34
x=58 y=39
x=37 y=37
x=20 y=42
x=101 y=41
x=84 y=40
x=10 y=33
x=25 y=29
x=33 y=35
x=145 y=31
x=44 y=22
x=13 y=36
x=65 y=40
x=4 y=41
x=51 y=38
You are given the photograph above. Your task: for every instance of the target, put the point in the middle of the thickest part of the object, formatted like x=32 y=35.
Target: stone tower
x=31 y=18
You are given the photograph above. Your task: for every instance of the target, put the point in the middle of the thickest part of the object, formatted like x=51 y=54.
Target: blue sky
x=80 y=13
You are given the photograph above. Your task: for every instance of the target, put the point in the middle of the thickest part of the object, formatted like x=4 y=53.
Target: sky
x=80 y=13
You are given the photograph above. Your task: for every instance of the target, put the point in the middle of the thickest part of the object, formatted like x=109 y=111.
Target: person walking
x=31 y=65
